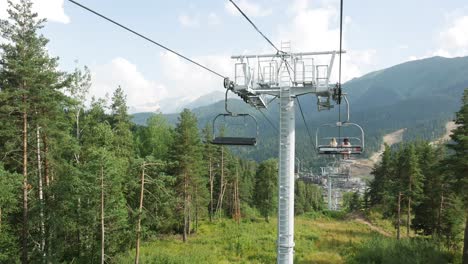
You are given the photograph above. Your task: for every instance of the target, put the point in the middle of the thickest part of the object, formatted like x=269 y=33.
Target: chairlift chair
x=356 y=142
x=232 y=140
x=356 y=145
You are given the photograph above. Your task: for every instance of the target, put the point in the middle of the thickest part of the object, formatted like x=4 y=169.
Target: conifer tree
x=187 y=153
x=10 y=185
x=412 y=181
x=31 y=95
x=435 y=190
x=209 y=157
x=266 y=182
x=458 y=162
x=380 y=193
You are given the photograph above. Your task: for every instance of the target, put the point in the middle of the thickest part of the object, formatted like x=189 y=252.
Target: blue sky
x=378 y=34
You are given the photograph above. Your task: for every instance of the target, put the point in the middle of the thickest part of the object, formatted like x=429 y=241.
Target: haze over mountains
x=176 y=105
x=419 y=95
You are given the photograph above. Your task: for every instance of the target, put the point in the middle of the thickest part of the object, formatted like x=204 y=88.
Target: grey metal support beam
x=286 y=178
x=289 y=54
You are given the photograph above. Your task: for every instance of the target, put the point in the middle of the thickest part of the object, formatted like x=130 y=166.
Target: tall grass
x=406 y=251
x=319 y=239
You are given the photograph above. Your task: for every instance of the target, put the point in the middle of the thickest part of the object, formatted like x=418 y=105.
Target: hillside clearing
x=320 y=240
x=449 y=127
x=363 y=167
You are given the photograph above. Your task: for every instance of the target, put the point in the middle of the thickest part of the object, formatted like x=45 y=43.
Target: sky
x=377 y=34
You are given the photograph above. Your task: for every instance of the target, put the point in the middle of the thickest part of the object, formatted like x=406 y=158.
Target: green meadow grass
x=318 y=240
x=406 y=251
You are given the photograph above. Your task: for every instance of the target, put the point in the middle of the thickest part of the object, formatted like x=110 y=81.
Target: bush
x=338 y=215
x=406 y=251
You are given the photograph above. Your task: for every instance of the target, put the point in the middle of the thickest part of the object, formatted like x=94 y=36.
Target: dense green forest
x=422 y=187
x=83 y=184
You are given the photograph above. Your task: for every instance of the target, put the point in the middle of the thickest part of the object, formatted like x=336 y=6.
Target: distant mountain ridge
x=413 y=79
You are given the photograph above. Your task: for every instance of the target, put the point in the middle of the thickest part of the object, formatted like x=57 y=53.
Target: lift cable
x=269 y=121
x=305 y=123
x=287 y=65
x=339 y=67
x=300 y=107
x=255 y=27
x=146 y=38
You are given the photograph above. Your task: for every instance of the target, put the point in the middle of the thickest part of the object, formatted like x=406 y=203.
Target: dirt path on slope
x=449 y=127
x=364 y=166
x=377 y=229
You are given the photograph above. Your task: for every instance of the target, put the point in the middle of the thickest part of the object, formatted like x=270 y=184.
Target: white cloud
x=317 y=29
x=50 y=9
x=189 y=21
x=186 y=80
x=403 y=47
x=142 y=94
x=249 y=8
x=195 y=20
x=454 y=38
x=213 y=19
x=180 y=82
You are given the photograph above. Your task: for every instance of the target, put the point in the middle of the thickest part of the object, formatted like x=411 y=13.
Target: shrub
x=406 y=251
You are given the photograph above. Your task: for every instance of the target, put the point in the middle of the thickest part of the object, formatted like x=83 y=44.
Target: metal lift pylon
x=258 y=76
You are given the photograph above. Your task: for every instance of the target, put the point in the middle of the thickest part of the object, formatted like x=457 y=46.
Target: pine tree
x=265 y=194
x=30 y=92
x=156 y=138
x=435 y=191
x=458 y=162
x=121 y=126
x=78 y=89
x=379 y=193
x=209 y=157
x=10 y=184
x=412 y=180
x=187 y=153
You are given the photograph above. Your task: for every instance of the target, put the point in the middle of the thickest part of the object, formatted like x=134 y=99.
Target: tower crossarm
x=257 y=76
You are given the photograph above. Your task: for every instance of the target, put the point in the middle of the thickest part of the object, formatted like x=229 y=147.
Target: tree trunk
x=78 y=124
x=465 y=243
x=184 y=235
x=196 y=210
x=140 y=211
x=46 y=160
x=408 y=218
x=78 y=231
x=219 y=206
x=189 y=214
x=102 y=216
x=211 y=188
x=77 y=155
x=236 y=197
x=399 y=216
x=439 y=216
x=41 y=193
x=24 y=234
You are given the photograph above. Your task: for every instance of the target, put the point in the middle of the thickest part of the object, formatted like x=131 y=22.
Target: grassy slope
x=321 y=240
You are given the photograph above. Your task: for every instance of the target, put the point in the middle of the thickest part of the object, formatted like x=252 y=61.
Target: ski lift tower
x=284 y=75
x=335 y=171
